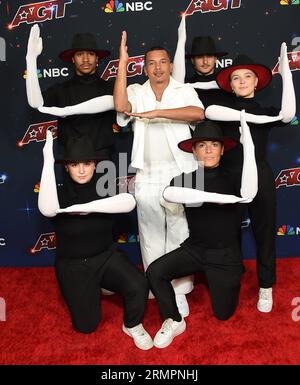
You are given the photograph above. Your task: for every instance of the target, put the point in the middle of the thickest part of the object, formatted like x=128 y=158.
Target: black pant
x=80 y=282
x=262 y=213
x=222 y=267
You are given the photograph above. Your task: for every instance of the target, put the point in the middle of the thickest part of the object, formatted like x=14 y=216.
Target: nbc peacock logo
x=289 y=2
x=114 y=6
x=286 y=230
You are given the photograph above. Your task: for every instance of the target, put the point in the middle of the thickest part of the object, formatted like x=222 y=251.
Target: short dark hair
x=157 y=48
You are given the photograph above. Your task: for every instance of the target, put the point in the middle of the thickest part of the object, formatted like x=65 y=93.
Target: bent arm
x=48 y=201
x=187 y=114
x=92 y=106
x=226 y=114
x=122 y=203
x=197 y=197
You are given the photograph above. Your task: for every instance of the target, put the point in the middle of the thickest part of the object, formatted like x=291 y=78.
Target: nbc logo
x=50 y=73
x=289 y=2
x=288 y=230
x=135 y=6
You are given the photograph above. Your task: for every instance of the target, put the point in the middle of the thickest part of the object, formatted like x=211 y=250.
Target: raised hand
x=35 y=42
x=283 y=60
x=123 y=48
x=48 y=147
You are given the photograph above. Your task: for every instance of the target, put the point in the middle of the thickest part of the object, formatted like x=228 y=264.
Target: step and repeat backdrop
x=252 y=27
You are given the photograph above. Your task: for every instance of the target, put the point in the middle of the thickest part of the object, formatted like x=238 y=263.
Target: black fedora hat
x=79 y=149
x=205 y=45
x=263 y=73
x=83 y=42
x=207 y=130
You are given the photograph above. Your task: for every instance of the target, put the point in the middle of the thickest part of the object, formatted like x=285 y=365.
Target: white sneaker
x=265 y=300
x=182 y=304
x=141 y=338
x=168 y=331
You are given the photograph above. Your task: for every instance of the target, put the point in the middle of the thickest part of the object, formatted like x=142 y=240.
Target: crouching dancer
x=87 y=258
x=213 y=246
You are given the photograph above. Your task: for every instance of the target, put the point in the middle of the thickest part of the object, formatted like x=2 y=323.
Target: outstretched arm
x=34 y=49
x=288 y=102
x=48 y=201
x=122 y=203
x=92 y=106
x=226 y=114
x=178 y=72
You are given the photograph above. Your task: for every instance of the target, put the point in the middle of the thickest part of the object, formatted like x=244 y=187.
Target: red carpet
x=37 y=329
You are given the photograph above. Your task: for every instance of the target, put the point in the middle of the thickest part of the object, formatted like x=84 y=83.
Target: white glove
x=178 y=71
x=288 y=102
x=34 y=49
x=48 y=201
x=197 y=197
x=121 y=203
x=212 y=85
x=92 y=106
x=249 y=184
x=226 y=114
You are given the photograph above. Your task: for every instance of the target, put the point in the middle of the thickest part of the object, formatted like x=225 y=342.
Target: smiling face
x=81 y=171
x=209 y=152
x=85 y=62
x=204 y=64
x=243 y=83
x=158 y=67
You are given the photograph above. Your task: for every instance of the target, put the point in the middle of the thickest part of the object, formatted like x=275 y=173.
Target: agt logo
x=289 y=2
x=128 y=238
x=2 y=49
x=288 y=178
x=294 y=62
x=45 y=241
x=288 y=230
x=37 y=132
x=205 y=6
x=39 y=12
x=135 y=6
x=50 y=73
x=134 y=67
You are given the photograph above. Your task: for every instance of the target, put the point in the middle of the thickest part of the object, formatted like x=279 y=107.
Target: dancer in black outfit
x=203 y=55
x=62 y=99
x=213 y=245
x=241 y=81
x=87 y=258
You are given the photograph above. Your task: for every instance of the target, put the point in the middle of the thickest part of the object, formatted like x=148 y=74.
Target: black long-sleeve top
x=214 y=225
x=233 y=159
x=207 y=97
x=81 y=236
x=97 y=126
